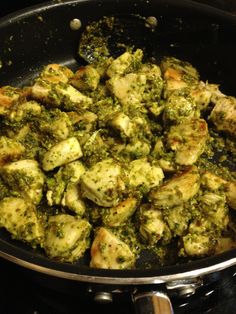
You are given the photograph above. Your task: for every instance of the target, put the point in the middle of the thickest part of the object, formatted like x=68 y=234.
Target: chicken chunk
x=178 y=75
x=19 y=217
x=176 y=190
x=144 y=174
x=61 y=154
x=26 y=177
x=108 y=251
x=119 y=214
x=59 y=95
x=223 y=115
x=188 y=139
x=178 y=108
x=151 y=224
x=212 y=181
x=198 y=244
x=56 y=73
x=66 y=237
x=8 y=97
x=231 y=194
x=63 y=188
x=25 y=110
x=128 y=89
x=103 y=183
x=125 y=63
x=85 y=78
x=9 y=150
x=177 y=219
x=123 y=124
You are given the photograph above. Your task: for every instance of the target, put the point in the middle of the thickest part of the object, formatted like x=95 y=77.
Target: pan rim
x=130 y=277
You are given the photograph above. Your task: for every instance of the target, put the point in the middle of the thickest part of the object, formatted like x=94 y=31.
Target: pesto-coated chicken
x=112 y=159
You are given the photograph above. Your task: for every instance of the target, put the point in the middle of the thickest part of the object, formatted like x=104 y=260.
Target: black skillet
x=197 y=33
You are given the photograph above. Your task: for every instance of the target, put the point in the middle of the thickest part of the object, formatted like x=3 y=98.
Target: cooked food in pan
x=121 y=156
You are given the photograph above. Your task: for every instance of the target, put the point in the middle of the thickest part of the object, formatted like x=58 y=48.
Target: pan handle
x=152 y=303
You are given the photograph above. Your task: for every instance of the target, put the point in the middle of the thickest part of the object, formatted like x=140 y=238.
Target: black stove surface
x=21 y=294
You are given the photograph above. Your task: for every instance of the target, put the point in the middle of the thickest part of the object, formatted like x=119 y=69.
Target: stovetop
x=20 y=294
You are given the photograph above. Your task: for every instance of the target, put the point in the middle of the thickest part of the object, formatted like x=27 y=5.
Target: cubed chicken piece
x=177 y=108
x=85 y=78
x=9 y=150
x=212 y=181
x=103 y=183
x=58 y=191
x=55 y=123
x=123 y=124
x=201 y=95
x=223 y=115
x=26 y=177
x=173 y=68
x=9 y=96
x=61 y=154
x=154 y=86
x=144 y=174
x=128 y=89
x=177 y=219
x=176 y=190
x=56 y=73
x=137 y=148
x=127 y=62
x=198 y=245
x=151 y=224
x=71 y=98
x=60 y=95
x=109 y=252
x=213 y=205
x=66 y=237
x=188 y=140
x=118 y=215
x=25 y=110
x=72 y=199
x=231 y=194
x=178 y=75
x=19 y=217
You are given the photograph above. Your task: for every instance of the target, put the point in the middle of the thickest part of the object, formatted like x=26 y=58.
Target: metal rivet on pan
x=103 y=297
x=75 y=24
x=151 y=21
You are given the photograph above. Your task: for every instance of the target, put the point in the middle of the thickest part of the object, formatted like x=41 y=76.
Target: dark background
x=9 y=6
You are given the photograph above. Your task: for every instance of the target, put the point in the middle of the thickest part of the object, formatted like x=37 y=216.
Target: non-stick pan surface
x=41 y=34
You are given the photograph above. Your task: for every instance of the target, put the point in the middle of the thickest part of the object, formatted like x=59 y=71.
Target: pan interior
x=42 y=35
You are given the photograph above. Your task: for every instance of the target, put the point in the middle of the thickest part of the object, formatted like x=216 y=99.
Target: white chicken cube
x=103 y=183
x=19 y=217
x=109 y=252
x=26 y=177
x=61 y=154
x=144 y=174
x=66 y=237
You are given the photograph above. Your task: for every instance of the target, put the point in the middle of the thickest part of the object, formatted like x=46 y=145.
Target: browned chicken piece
x=85 y=78
x=231 y=194
x=212 y=181
x=223 y=115
x=177 y=190
x=109 y=252
x=178 y=74
x=8 y=97
x=188 y=139
x=56 y=73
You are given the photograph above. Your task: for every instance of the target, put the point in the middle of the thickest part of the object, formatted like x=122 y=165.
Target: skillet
x=41 y=34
